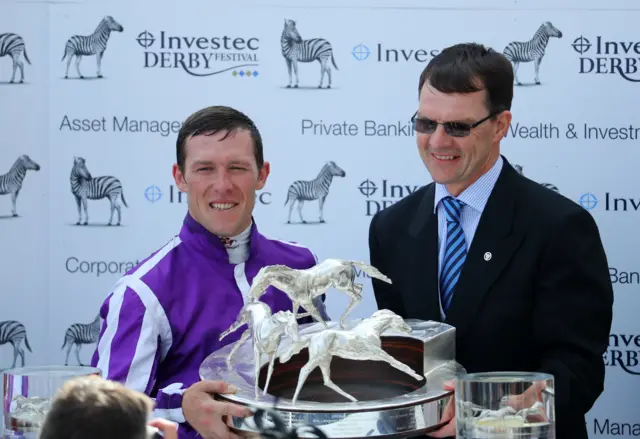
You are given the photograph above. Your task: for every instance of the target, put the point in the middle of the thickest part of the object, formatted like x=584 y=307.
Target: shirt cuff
x=169 y=403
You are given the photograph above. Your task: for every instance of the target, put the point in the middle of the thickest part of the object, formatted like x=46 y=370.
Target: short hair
x=214 y=119
x=92 y=407
x=471 y=67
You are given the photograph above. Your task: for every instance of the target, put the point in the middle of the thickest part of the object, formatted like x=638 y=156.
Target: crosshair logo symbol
x=361 y=52
x=145 y=39
x=367 y=188
x=588 y=201
x=153 y=194
x=581 y=44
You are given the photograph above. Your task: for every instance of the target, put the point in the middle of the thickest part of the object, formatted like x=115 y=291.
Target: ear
x=504 y=121
x=263 y=175
x=178 y=176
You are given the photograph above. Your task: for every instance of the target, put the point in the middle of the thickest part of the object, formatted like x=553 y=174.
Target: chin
x=441 y=177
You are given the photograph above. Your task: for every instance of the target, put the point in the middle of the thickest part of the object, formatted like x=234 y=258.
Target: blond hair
x=95 y=408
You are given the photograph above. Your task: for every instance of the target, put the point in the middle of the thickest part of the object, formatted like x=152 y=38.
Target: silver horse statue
x=266 y=331
x=360 y=343
x=303 y=286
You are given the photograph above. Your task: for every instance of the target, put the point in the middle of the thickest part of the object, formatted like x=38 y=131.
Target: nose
x=439 y=138
x=222 y=181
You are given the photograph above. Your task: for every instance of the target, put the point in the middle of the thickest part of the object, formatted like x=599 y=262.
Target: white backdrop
x=56 y=274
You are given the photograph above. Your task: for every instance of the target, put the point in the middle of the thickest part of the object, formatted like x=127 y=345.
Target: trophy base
x=390 y=403
x=364 y=380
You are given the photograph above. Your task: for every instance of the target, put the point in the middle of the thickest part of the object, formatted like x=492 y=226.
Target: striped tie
x=455 y=251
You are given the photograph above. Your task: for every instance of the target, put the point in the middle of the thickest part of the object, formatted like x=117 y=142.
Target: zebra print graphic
x=85 y=187
x=13 y=45
x=295 y=49
x=78 y=334
x=316 y=189
x=532 y=50
x=550 y=186
x=553 y=187
x=14 y=333
x=87 y=45
x=11 y=182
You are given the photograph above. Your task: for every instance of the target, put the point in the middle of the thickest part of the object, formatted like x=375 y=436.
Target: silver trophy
x=266 y=331
x=360 y=343
x=377 y=376
x=304 y=286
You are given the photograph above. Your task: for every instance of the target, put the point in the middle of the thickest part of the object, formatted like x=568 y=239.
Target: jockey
x=165 y=316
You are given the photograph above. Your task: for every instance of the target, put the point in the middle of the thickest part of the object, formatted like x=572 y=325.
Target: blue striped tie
x=455 y=251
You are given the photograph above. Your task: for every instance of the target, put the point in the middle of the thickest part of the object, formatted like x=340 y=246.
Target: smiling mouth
x=444 y=157
x=222 y=206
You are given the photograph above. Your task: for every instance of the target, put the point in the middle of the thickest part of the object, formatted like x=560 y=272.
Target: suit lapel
x=493 y=245
x=423 y=302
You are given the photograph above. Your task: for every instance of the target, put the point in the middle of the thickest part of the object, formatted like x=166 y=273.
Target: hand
x=448 y=416
x=531 y=398
x=206 y=415
x=169 y=429
x=528 y=398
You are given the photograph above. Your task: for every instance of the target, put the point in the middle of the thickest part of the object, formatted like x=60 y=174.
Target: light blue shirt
x=475 y=198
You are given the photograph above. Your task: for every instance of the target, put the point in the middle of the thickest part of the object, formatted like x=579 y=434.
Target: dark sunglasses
x=454 y=129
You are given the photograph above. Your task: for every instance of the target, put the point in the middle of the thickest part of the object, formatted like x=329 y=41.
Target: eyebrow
x=466 y=120
x=202 y=162
x=232 y=162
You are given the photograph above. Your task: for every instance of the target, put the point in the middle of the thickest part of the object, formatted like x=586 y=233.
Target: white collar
x=239 y=249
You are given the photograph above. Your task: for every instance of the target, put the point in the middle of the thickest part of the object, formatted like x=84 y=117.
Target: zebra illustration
x=13 y=45
x=14 y=333
x=87 y=45
x=295 y=49
x=11 y=182
x=553 y=187
x=532 y=50
x=78 y=334
x=316 y=189
x=85 y=187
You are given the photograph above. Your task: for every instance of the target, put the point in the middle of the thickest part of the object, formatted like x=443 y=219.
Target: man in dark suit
x=518 y=269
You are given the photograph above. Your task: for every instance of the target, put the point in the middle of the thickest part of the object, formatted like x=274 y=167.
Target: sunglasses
x=454 y=129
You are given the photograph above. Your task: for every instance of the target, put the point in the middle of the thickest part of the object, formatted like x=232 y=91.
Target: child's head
x=92 y=407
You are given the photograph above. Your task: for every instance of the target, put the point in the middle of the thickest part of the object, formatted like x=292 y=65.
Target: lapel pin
x=487 y=256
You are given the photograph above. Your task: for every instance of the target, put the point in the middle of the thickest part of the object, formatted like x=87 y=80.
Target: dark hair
x=211 y=120
x=92 y=407
x=471 y=67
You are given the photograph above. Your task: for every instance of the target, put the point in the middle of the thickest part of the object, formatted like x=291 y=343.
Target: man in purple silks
x=164 y=316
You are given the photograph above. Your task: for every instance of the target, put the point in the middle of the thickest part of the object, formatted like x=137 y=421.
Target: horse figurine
x=303 y=286
x=266 y=331
x=360 y=343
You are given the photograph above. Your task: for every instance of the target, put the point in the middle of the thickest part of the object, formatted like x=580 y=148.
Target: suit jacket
x=542 y=302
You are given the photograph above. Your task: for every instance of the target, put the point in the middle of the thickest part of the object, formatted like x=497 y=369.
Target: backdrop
x=574 y=129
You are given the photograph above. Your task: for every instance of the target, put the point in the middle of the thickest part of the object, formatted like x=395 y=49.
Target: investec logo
x=154 y=194
x=609 y=202
x=201 y=55
x=386 y=54
x=624 y=353
x=600 y=56
x=382 y=194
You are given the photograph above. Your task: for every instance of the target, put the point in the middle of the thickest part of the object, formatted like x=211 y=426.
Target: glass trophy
x=505 y=405
x=27 y=393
